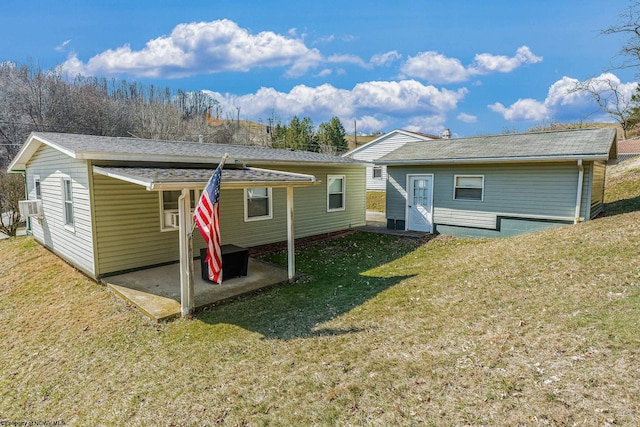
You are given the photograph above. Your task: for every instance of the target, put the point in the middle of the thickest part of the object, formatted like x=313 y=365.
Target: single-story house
x=377 y=148
x=110 y=204
x=498 y=185
x=628 y=148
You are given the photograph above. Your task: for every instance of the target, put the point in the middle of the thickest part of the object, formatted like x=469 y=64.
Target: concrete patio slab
x=156 y=291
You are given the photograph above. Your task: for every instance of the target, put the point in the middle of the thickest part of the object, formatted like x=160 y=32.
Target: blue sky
x=475 y=67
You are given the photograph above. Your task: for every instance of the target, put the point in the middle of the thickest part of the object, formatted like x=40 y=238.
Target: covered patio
x=153 y=290
x=156 y=291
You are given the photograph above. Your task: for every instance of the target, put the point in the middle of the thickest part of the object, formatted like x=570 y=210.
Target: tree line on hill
x=33 y=99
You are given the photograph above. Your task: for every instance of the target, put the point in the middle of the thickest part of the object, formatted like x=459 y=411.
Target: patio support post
x=291 y=251
x=186 y=253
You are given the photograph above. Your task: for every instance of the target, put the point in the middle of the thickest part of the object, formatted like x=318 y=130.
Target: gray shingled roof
x=568 y=144
x=120 y=148
x=159 y=178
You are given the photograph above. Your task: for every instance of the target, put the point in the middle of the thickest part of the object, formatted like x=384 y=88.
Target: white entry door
x=420 y=202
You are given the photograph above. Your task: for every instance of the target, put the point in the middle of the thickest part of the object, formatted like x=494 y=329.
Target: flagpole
x=220 y=165
x=186 y=253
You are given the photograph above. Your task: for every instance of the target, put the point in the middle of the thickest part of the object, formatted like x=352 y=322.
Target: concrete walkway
x=377 y=223
x=156 y=291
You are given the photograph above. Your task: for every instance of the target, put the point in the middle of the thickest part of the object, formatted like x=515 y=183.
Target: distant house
x=628 y=148
x=498 y=185
x=113 y=204
x=372 y=151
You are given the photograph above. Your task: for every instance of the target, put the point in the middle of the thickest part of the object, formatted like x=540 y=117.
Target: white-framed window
x=37 y=186
x=258 y=204
x=169 y=208
x=377 y=172
x=468 y=187
x=67 y=202
x=335 y=193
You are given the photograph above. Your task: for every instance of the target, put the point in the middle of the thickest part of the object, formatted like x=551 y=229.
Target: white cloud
x=348 y=59
x=201 y=47
x=563 y=102
x=485 y=63
x=522 y=109
x=348 y=38
x=427 y=124
x=435 y=67
x=323 y=73
x=385 y=59
x=325 y=39
x=467 y=118
x=366 y=124
x=61 y=46
x=378 y=101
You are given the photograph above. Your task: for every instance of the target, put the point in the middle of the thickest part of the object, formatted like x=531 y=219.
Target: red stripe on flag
x=207 y=219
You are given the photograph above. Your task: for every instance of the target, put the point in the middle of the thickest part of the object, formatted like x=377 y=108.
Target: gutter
x=576 y=218
x=482 y=160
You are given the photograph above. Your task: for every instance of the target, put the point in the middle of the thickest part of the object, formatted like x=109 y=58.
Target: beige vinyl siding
x=128 y=218
x=310 y=209
x=74 y=245
x=597 y=189
x=540 y=190
x=464 y=218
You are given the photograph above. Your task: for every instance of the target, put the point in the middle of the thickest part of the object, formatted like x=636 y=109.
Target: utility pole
x=355 y=134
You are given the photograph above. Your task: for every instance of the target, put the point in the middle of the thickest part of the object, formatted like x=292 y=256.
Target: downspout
x=576 y=218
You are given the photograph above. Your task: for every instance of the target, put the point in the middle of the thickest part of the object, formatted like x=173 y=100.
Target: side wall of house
x=128 y=218
x=376 y=184
x=73 y=243
x=517 y=198
x=384 y=145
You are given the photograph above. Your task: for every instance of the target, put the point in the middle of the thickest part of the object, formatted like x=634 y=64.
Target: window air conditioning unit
x=30 y=208
x=175 y=220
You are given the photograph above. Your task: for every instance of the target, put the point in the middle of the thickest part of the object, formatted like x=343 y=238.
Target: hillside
x=540 y=329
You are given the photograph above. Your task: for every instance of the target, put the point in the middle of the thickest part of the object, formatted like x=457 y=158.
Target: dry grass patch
x=536 y=330
x=376 y=201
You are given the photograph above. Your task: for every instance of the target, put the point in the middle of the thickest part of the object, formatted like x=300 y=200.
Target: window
x=67 y=199
x=37 y=187
x=335 y=193
x=169 y=208
x=257 y=204
x=469 y=187
x=377 y=171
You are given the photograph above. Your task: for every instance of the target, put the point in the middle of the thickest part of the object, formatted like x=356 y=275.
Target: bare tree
x=628 y=25
x=612 y=98
x=11 y=191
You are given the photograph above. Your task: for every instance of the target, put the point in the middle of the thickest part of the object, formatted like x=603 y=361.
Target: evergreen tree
x=332 y=136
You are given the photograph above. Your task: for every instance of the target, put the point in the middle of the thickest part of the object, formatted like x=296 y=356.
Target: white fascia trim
x=311 y=178
x=30 y=147
x=123 y=177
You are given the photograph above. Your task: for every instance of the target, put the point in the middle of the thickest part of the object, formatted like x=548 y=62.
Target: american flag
x=207 y=218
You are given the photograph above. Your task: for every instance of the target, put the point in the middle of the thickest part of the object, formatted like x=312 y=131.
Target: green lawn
x=542 y=329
